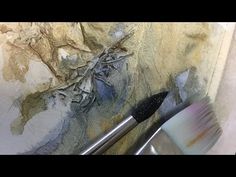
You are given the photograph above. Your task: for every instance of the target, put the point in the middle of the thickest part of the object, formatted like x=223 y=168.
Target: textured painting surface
x=64 y=84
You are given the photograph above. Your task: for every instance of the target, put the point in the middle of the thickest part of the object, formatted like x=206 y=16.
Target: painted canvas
x=64 y=84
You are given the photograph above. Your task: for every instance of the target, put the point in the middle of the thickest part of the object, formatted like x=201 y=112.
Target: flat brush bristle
x=195 y=129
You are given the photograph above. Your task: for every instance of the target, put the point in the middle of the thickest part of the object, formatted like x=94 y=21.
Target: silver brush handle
x=106 y=141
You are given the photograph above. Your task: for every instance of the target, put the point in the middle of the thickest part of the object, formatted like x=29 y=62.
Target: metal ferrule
x=159 y=144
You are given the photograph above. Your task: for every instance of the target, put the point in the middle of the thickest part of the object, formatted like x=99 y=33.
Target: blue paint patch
x=105 y=92
x=122 y=97
x=119 y=65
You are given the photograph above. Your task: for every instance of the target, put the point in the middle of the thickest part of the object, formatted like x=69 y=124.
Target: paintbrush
x=194 y=130
x=145 y=109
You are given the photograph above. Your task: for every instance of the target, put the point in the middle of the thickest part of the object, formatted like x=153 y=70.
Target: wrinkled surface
x=38 y=58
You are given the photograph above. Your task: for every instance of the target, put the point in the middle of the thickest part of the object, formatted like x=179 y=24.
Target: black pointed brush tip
x=147 y=107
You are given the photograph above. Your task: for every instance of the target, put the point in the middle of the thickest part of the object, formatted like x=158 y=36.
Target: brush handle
x=106 y=141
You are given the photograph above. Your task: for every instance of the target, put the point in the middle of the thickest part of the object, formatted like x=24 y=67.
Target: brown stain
x=198 y=137
x=31 y=105
x=198 y=36
x=5 y=28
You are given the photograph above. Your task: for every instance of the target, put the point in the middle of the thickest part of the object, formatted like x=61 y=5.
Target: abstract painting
x=64 y=84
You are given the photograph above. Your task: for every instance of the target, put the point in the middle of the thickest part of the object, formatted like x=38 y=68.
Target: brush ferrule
x=159 y=143
x=103 y=143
